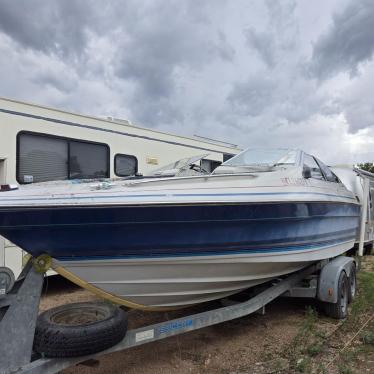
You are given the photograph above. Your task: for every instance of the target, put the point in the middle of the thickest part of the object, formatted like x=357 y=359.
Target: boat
x=159 y=243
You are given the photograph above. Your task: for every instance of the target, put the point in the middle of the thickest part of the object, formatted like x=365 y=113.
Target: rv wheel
x=79 y=329
x=339 y=310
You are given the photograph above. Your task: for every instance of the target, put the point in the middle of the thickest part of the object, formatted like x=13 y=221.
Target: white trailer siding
x=151 y=148
x=355 y=179
x=147 y=145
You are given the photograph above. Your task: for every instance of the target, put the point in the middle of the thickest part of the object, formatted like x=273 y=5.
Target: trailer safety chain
x=42 y=263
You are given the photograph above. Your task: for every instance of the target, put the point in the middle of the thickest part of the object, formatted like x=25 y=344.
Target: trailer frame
x=17 y=326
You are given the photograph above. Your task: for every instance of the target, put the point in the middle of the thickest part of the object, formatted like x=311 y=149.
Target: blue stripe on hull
x=278 y=250
x=148 y=231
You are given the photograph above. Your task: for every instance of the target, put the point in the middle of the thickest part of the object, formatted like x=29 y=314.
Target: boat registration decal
x=295 y=181
x=144 y=335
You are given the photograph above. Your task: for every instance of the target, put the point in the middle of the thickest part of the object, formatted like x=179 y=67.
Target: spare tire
x=79 y=329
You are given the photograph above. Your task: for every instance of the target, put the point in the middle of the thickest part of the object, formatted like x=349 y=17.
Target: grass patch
x=303 y=365
x=305 y=344
x=344 y=369
x=308 y=351
x=362 y=309
x=368 y=337
x=315 y=349
x=364 y=300
x=363 y=303
x=306 y=329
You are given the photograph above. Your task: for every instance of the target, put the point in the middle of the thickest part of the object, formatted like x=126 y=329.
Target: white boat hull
x=174 y=282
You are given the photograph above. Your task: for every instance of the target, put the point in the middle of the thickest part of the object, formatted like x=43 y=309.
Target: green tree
x=368 y=166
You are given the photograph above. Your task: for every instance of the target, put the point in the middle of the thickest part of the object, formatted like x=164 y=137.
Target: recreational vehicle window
x=42 y=158
x=125 y=165
x=88 y=160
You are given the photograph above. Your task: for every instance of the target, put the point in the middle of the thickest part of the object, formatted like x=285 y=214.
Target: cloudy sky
x=251 y=72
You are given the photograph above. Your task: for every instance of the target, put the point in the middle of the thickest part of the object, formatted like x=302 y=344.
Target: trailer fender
x=329 y=278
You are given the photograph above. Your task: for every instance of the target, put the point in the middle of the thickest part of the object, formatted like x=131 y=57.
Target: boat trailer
x=19 y=305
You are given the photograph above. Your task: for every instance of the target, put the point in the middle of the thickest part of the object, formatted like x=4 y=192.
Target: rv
x=39 y=144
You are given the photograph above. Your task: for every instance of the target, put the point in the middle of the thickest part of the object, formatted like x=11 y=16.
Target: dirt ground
x=269 y=343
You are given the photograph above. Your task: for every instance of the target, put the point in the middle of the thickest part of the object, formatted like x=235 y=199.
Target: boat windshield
x=176 y=166
x=263 y=157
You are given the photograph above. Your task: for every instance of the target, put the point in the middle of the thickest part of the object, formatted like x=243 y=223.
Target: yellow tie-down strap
x=106 y=295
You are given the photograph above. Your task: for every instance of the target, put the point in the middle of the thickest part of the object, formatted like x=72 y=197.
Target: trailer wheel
x=352 y=283
x=339 y=310
x=79 y=329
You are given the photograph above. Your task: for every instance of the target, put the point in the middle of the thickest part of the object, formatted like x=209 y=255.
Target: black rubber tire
x=106 y=326
x=352 y=280
x=339 y=310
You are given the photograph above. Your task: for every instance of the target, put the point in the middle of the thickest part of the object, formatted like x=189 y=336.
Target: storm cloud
x=272 y=73
x=58 y=27
x=348 y=42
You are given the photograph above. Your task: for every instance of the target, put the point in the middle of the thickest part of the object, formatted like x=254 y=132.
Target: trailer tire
x=352 y=283
x=79 y=329
x=339 y=310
